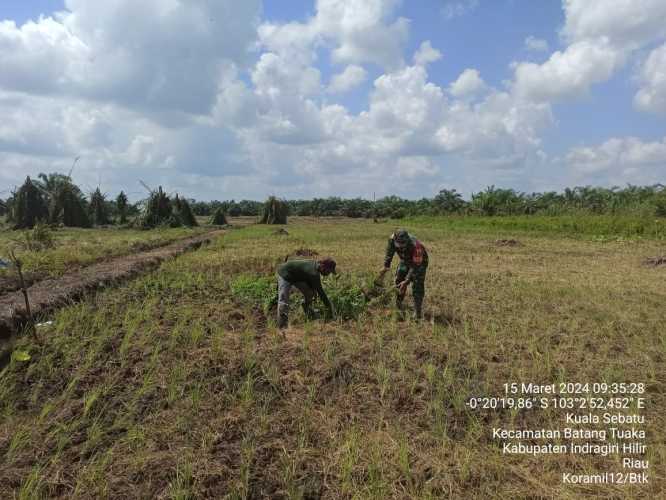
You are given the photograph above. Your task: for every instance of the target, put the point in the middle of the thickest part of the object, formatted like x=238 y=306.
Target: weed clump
x=257 y=291
x=37 y=239
x=346 y=295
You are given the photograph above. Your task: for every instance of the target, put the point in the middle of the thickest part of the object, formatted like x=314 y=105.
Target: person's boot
x=418 y=309
x=399 y=298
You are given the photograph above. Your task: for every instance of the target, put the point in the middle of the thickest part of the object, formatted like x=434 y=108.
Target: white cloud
x=426 y=54
x=167 y=91
x=536 y=44
x=351 y=77
x=356 y=32
x=620 y=160
x=568 y=73
x=457 y=8
x=415 y=167
x=601 y=35
x=155 y=55
x=626 y=23
x=651 y=97
x=468 y=84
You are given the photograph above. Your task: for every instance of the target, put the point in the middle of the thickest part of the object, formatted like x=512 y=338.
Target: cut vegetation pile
x=218 y=218
x=98 y=210
x=29 y=206
x=161 y=211
x=275 y=211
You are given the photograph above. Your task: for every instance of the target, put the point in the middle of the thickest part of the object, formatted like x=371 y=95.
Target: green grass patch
x=570 y=225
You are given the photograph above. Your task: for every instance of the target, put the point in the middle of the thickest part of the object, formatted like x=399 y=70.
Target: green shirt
x=304 y=271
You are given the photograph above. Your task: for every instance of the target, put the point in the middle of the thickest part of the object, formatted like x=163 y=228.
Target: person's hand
x=403 y=287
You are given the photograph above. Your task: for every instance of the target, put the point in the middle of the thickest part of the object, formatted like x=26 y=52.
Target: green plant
x=39 y=238
x=258 y=291
x=347 y=297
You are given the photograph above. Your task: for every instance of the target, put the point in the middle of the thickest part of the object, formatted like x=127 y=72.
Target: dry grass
x=167 y=388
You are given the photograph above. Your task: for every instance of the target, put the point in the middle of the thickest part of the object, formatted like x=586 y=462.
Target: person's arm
x=316 y=285
x=418 y=263
x=390 y=252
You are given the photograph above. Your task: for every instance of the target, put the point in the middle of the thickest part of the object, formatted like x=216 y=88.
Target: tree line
x=493 y=201
x=55 y=199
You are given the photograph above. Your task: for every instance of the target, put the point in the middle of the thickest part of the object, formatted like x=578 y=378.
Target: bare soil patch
x=655 y=261
x=508 y=243
x=49 y=294
x=9 y=282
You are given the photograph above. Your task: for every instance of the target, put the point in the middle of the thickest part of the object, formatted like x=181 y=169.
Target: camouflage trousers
x=284 y=293
x=418 y=290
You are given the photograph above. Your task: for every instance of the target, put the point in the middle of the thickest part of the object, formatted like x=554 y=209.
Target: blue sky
x=329 y=97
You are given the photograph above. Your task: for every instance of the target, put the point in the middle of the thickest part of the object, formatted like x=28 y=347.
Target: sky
x=219 y=99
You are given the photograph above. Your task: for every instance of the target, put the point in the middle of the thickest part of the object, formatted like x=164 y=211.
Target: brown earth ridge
x=47 y=295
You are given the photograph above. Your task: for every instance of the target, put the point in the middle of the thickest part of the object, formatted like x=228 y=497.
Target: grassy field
x=81 y=247
x=174 y=387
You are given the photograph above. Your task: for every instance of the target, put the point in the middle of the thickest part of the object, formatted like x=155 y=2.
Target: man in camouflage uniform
x=412 y=267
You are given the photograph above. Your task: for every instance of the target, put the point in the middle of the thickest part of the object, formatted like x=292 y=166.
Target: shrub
x=39 y=238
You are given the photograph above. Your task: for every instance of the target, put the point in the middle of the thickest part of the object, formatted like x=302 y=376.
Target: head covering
x=401 y=237
x=327 y=264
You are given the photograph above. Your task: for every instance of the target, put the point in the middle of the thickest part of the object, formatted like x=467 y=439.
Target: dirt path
x=49 y=294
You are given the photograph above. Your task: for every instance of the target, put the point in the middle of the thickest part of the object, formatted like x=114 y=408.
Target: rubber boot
x=399 y=298
x=418 y=308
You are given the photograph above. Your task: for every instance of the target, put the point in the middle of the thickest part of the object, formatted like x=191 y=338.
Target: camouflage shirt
x=413 y=255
